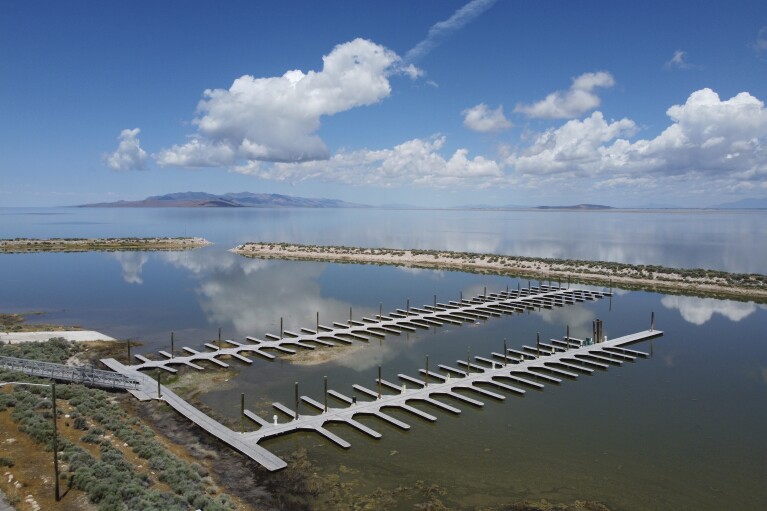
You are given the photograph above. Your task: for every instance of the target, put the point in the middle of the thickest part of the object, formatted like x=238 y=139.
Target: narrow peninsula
x=697 y=281
x=26 y=245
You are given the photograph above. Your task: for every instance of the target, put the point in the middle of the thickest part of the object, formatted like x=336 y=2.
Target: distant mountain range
x=577 y=206
x=513 y=206
x=744 y=204
x=227 y=200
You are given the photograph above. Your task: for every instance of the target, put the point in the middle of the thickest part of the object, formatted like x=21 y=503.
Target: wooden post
x=435 y=301
x=652 y=321
x=484 y=295
x=242 y=413
x=518 y=287
x=129 y=359
x=219 y=338
x=427 y=371
x=159 y=385
x=318 y=321
x=408 y=307
x=55 y=443
x=379 y=382
x=568 y=281
x=505 y=354
x=281 y=329
x=172 y=346
x=380 y=311
x=462 y=296
x=296 y=415
x=538 y=344
x=350 y=317
x=468 y=360
x=567 y=338
x=326 y=394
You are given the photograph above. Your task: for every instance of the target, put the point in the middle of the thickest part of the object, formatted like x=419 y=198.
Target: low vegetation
x=118 y=462
x=696 y=281
x=17 y=322
x=25 y=245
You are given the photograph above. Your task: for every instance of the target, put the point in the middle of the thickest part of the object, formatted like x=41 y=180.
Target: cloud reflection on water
x=251 y=295
x=700 y=310
x=132 y=264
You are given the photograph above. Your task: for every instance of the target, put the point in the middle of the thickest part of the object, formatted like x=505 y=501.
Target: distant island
x=578 y=207
x=227 y=200
x=752 y=203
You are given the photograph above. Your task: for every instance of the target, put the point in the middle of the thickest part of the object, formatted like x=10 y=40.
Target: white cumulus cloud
x=415 y=162
x=484 y=120
x=577 y=147
x=711 y=142
x=277 y=118
x=129 y=155
x=576 y=100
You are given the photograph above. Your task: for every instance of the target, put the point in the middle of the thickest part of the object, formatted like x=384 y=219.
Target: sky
x=432 y=103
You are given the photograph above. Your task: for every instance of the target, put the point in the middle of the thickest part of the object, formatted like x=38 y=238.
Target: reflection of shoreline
x=655 y=278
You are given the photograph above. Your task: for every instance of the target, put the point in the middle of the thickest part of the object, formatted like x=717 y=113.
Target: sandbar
x=699 y=282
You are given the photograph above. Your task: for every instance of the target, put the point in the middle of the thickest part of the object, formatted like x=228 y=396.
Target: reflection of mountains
x=700 y=310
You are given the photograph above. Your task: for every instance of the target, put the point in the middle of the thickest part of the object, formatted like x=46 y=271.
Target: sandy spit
x=654 y=278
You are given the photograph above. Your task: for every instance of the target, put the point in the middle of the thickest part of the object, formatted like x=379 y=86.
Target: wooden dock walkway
x=149 y=390
x=510 y=372
x=400 y=321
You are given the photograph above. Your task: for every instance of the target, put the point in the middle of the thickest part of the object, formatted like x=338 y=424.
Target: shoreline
x=699 y=282
x=28 y=245
x=44 y=335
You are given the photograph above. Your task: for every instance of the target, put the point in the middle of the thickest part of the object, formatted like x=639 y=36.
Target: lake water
x=681 y=430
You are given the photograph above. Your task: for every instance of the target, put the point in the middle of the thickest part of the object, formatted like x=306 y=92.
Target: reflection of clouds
x=207 y=261
x=432 y=274
x=363 y=358
x=132 y=263
x=700 y=310
x=251 y=295
x=578 y=316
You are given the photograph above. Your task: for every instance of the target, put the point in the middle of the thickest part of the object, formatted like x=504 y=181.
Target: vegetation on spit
x=24 y=245
x=162 y=481
x=694 y=281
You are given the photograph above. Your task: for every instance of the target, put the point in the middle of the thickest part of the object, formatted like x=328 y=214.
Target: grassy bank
x=25 y=245
x=698 y=281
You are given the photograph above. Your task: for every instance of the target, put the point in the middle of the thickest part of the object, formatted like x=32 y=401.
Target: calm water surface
x=681 y=430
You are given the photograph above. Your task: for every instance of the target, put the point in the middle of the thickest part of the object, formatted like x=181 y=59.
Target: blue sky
x=433 y=103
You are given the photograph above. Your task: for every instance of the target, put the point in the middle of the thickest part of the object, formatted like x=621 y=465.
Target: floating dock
x=400 y=321
x=513 y=371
